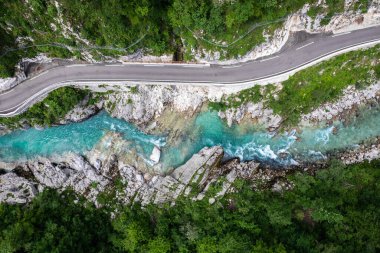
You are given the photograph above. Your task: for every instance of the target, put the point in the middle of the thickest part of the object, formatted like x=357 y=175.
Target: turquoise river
x=245 y=142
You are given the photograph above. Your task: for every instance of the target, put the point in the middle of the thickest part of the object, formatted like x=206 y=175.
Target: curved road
x=292 y=57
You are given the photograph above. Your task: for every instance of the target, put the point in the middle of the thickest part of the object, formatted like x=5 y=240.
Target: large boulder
x=198 y=164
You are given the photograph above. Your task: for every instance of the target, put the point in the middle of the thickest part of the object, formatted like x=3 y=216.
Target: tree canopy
x=337 y=210
x=70 y=28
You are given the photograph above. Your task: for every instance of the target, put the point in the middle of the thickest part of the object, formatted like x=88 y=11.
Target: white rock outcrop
x=193 y=179
x=360 y=153
x=79 y=113
x=155 y=156
x=143 y=104
x=350 y=99
x=15 y=189
x=264 y=116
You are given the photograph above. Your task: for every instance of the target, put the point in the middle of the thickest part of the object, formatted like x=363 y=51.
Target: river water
x=244 y=141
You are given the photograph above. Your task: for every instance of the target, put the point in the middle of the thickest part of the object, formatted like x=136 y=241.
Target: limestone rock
x=351 y=98
x=155 y=156
x=15 y=189
x=148 y=102
x=360 y=153
x=80 y=113
x=7 y=83
x=192 y=179
x=207 y=156
x=47 y=174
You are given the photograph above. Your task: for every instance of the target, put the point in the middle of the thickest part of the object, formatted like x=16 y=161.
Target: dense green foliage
x=228 y=22
x=120 y=23
x=42 y=26
x=71 y=28
x=54 y=222
x=311 y=87
x=337 y=210
x=49 y=111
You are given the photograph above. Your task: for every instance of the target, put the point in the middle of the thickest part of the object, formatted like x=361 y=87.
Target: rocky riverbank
x=368 y=151
x=202 y=176
x=111 y=167
x=82 y=111
x=348 y=104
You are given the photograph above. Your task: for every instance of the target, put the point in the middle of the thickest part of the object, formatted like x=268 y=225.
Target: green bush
x=54 y=222
x=362 y=5
x=377 y=71
x=314 y=11
x=253 y=95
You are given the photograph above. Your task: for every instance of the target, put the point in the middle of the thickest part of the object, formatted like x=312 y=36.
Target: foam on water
x=246 y=142
x=75 y=137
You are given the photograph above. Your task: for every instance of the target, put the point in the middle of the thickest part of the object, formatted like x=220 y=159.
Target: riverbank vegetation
x=50 y=110
x=336 y=210
x=309 y=88
x=93 y=30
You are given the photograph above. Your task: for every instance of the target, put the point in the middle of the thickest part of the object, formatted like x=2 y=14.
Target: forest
x=334 y=210
x=99 y=29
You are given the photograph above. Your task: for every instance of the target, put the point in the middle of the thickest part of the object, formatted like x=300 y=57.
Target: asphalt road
x=292 y=57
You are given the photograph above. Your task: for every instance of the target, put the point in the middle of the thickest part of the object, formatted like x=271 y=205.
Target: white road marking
x=154 y=65
x=305 y=45
x=268 y=59
x=340 y=34
x=231 y=67
x=43 y=73
x=77 y=65
x=193 y=66
x=204 y=65
x=7 y=92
